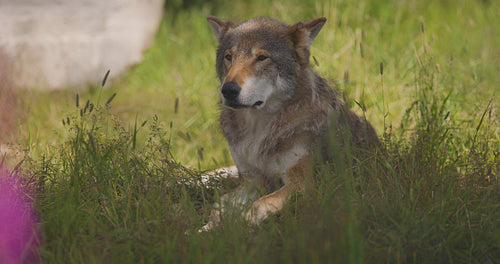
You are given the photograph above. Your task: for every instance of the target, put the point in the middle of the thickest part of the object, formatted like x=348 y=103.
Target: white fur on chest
x=252 y=154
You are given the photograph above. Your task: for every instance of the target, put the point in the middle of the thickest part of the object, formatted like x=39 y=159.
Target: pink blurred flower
x=19 y=234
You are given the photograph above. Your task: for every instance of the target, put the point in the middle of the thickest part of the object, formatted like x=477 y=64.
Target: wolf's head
x=259 y=60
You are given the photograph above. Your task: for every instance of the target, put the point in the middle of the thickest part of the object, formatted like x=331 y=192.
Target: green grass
x=115 y=189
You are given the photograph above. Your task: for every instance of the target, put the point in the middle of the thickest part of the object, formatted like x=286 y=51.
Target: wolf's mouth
x=236 y=105
x=258 y=103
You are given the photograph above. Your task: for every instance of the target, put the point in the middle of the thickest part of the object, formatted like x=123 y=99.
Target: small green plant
x=100 y=189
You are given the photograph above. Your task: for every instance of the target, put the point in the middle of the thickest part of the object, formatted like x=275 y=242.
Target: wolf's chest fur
x=267 y=145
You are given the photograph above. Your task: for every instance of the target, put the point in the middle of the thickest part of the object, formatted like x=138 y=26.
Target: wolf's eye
x=228 y=57
x=262 y=58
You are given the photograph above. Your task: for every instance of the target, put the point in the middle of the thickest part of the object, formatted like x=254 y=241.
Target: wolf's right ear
x=219 y=26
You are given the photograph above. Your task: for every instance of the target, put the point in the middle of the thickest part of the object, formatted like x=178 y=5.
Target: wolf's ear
x=303 y=34
x=219 y=26
x=306 y=31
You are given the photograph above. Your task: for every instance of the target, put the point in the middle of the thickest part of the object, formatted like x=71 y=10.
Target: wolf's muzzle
x=230 y=91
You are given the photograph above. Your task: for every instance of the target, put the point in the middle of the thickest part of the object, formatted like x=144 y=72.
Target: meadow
x=116 y=166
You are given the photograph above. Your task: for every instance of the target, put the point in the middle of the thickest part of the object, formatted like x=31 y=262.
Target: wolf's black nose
x=230 y=90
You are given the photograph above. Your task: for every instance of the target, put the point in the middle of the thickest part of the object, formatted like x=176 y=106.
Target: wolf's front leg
x=268 y=204
x=275 y=201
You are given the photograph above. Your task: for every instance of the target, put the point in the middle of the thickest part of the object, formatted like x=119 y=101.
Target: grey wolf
x=276 y=112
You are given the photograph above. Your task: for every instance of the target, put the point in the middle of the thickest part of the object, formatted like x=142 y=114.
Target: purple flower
x=19 y=234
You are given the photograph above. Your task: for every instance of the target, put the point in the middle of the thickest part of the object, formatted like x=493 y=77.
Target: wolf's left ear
x=219 y=26
x=303 y=34
x=306 y=31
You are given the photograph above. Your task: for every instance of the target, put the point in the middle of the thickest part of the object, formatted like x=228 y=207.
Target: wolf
x=276 y=113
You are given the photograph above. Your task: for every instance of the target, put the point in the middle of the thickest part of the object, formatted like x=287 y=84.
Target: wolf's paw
x=208 y=227
x=259 y=212
x=214 y=219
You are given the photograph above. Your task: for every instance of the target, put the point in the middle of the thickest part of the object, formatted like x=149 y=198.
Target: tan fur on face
x=244 y=65
x=238 y=73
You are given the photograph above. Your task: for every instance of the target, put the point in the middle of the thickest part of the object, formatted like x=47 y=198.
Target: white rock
x=57 y=44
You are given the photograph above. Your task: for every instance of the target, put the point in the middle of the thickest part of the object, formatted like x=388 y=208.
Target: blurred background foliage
x=176 y=80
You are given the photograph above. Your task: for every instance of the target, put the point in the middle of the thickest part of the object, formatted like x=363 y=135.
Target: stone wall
x=58 y=44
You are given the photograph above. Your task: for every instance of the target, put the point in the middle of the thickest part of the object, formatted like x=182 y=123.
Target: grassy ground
x=115 y=189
